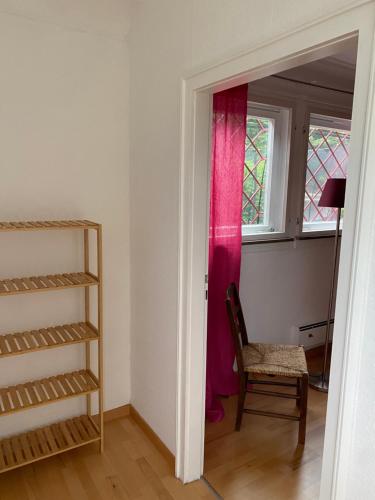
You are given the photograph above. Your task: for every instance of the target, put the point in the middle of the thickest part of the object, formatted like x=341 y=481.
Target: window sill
x=286 y=239
x=319 y=231
x=264 y=235
x=262 y=241
x=314 y=235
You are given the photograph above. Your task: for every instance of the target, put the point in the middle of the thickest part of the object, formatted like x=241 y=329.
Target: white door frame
x=294 y=48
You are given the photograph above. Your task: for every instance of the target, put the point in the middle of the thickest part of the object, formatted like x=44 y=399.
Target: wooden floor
x=262 y=461
x=130 y=468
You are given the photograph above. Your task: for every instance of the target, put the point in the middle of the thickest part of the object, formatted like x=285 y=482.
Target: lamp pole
x=333 y=196
x=321 y=382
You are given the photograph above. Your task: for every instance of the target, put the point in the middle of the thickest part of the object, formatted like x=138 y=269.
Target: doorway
x=290 y=51
x=298 y=130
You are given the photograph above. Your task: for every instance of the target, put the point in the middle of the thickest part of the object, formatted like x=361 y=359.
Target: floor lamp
x=333 y=196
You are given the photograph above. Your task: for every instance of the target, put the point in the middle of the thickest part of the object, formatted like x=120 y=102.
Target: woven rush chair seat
x=274 y=359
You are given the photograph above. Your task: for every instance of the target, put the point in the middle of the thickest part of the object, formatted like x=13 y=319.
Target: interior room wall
x=284 y=285
x=170 y=39
x=64 y=154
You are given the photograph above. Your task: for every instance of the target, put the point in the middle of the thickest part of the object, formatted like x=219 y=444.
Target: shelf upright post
x=86 y=246
x=100 y=332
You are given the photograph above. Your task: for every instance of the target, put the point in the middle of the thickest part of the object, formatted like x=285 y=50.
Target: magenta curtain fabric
x=227 y=168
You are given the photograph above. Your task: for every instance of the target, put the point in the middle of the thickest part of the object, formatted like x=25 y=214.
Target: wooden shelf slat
x=45 y=283
x=47 y=441
x=43 y=225
x=48 y=390
x=46 y=338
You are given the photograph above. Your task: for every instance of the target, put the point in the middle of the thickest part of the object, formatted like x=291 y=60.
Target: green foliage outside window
x=255 y=170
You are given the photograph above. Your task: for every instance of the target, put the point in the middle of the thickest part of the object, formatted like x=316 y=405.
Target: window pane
x=259 y=132
x=327 y=156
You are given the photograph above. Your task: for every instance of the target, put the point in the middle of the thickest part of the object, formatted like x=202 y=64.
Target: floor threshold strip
x=212 y=489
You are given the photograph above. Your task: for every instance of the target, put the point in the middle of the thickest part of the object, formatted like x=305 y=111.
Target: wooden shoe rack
x=50 y=440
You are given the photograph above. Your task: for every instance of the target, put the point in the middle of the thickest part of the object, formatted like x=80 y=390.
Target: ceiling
x=335 y=72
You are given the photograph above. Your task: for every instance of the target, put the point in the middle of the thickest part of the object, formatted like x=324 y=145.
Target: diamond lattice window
x=327 y=156
x=257 y=153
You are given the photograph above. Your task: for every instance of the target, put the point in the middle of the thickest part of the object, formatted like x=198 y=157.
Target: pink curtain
x=227 y=167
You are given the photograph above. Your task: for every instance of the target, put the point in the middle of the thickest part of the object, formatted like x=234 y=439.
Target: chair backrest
x=237 y=323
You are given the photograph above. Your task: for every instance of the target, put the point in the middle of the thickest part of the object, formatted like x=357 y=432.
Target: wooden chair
x=267 y=360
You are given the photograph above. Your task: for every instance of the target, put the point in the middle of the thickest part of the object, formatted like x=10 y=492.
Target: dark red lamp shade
x=333 y=194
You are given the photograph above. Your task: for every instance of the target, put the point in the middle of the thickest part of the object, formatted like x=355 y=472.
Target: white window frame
x=277 y=181
x=329 y=122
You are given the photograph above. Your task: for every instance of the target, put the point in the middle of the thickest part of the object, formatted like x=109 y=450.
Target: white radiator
x=312 y=335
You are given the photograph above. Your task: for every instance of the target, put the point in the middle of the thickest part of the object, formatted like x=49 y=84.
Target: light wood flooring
x=263 y=461
x=130 y=468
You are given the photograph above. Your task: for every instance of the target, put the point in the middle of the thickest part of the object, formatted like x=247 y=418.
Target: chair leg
x=298 y=393
x=241 y=400
x=304 y=384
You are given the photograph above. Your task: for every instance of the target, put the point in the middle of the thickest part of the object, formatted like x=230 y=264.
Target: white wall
x=64 y=153
x=283 y=285
x=361 y=436
x=168 y=40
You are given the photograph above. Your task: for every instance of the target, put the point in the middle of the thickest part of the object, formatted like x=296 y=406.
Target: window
x=266 y=187
x=327 y=156
x=265 y=170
